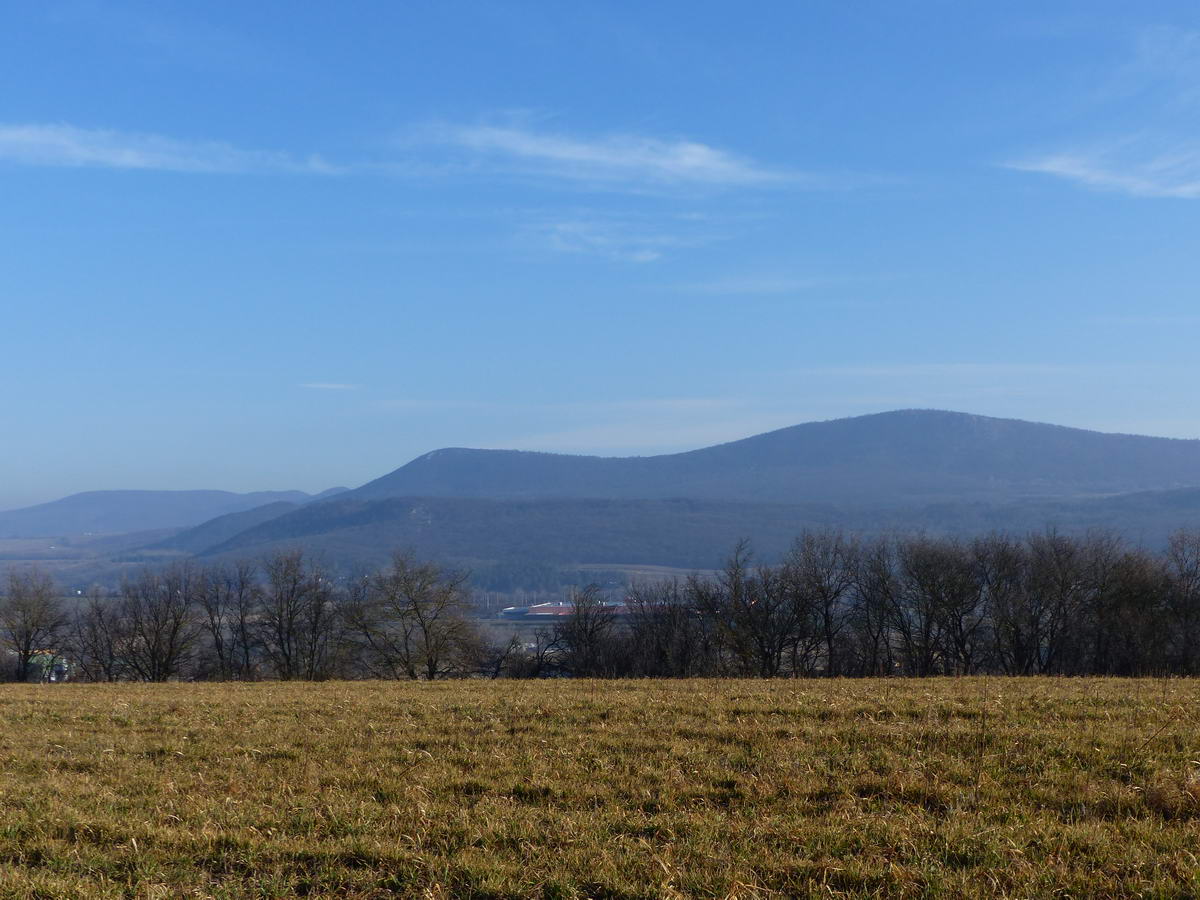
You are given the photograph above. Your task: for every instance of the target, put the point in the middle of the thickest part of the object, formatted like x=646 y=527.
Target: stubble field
x=967 y=787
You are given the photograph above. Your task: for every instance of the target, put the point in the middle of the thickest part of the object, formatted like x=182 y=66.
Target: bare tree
x=1129 y=613
x=666 y=634
x=757 y=615
x=821 y=568
x=414 y=621
x=93 y=637
x=32 y=619
x=1089 y=635
x=158 y=626
x=299 y=622
x=244 y=595
x=1183 y=605
x=228 y=598
x=588 y=636
x=876 y=589
x=1017 y=613
x=1035 y=626
x=494 y=658
x=916 y=605
x=285 y=594
x=536 y=658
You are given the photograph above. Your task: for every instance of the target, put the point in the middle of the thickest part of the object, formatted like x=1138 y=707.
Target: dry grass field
x=972 y=787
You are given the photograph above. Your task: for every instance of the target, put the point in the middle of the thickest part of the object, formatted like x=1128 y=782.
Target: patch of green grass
x=970 y=787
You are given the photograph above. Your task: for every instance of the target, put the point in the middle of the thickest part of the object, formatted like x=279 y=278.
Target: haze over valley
x=497 y=512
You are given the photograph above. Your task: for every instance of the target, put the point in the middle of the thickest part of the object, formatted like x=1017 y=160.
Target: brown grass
x=1023 y=788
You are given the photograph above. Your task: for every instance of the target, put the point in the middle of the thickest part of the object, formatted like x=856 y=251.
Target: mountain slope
x=889 y=458
x=216 y=531
x=903 y=471
x=347 y=532
x=683 y=533
x=327 y=493
x=115 y=512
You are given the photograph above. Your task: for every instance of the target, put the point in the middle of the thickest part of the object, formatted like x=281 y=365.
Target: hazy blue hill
x=945 y=473
x=326 y=494
x=941 y=472
x=889 y=458
x=523 y=543
x=115 y=512
x=222 y=528
x=682 y=533
x=685 y=533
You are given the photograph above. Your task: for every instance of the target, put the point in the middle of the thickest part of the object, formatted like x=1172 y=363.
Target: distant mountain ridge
x=942 y=472
x=888 y=458
x=909 y=470
x=118 y=512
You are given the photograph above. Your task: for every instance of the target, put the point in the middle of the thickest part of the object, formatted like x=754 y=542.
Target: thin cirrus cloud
x=69 y=146
x=1129 y=167
x=617 y=161
x=1152 y=93
x=1164 y=69
x=612 y=160
x=637 y=242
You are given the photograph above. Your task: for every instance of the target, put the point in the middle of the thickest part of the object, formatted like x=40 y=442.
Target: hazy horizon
x=272 y=247
x=357 y=483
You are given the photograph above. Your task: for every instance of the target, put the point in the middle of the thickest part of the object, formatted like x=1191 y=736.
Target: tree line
x=836 y=605
x=284 y=618
x=1042 y=604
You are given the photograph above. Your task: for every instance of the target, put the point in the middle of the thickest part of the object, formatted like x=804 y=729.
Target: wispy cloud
x=627 y=241
x=1165 y=67
x=1140 y=168
x=620 y=159
x=69 y=146
x=329 y=386
x=1155 y=90
x=622 y=162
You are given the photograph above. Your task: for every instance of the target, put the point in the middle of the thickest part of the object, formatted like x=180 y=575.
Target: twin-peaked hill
x=938 y=471
x=885 y=459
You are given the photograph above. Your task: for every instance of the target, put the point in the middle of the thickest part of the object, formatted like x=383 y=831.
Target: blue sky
x=282 y=245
